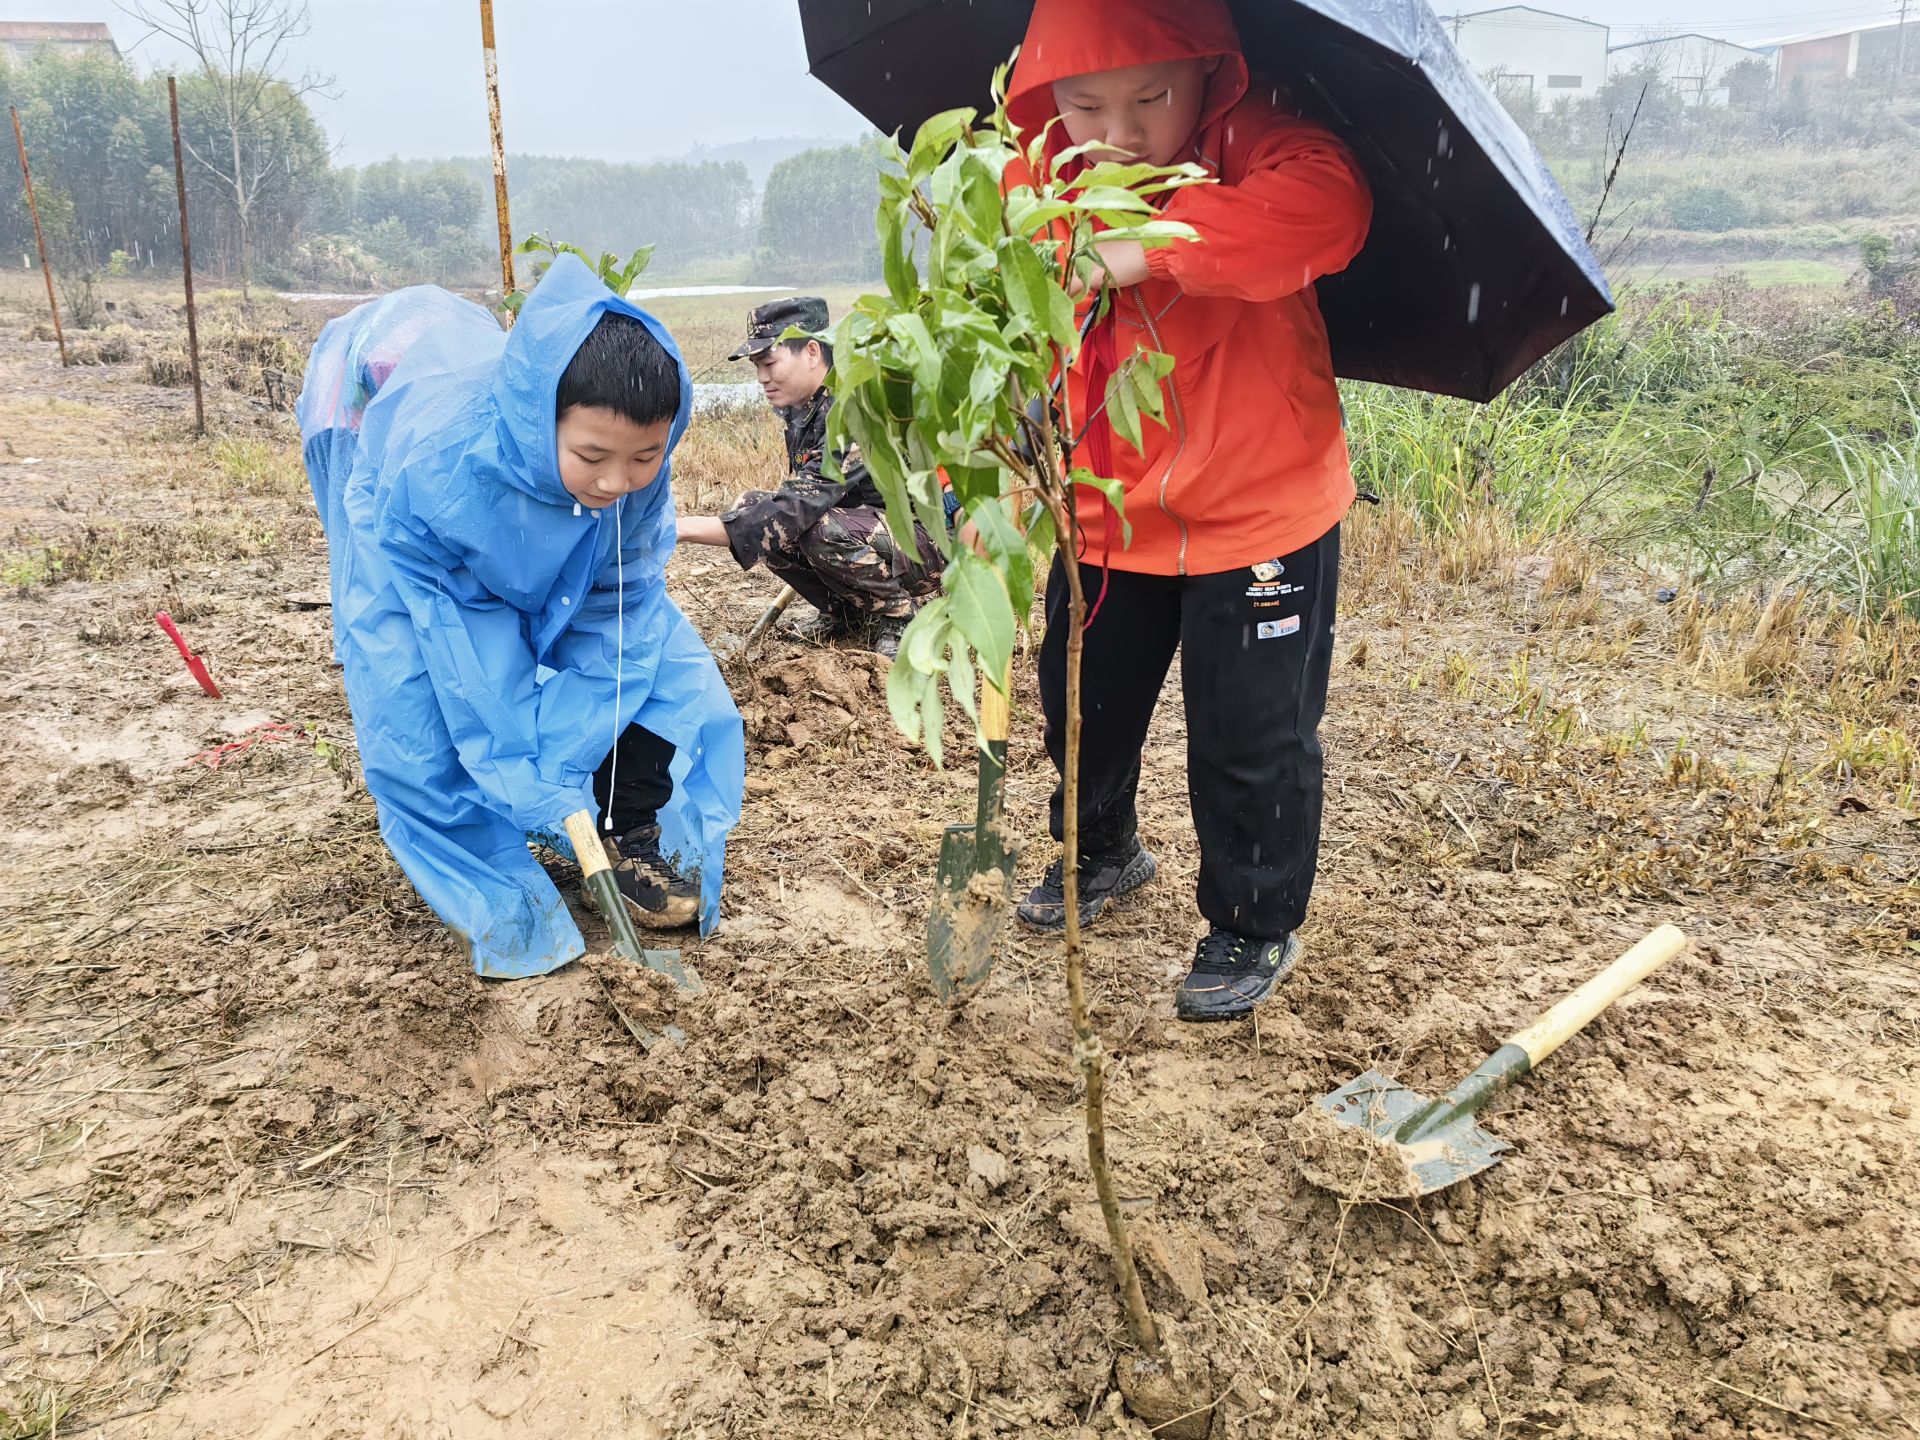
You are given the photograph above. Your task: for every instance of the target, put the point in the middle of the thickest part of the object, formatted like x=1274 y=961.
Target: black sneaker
x=828 y=627
x=1233 y=973
x=657 y=895
x=884 y=635
x=1103 y=879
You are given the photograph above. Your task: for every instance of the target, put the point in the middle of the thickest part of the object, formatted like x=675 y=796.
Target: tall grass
x=1736 y=436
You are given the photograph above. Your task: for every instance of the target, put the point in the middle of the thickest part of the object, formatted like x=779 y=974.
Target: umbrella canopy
x=1475 y=266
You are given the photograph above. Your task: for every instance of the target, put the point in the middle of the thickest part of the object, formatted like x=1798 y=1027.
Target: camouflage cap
x=767 y=323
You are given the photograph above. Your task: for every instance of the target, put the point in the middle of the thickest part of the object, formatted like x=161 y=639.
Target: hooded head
x=591 y=393
x=1143 y=77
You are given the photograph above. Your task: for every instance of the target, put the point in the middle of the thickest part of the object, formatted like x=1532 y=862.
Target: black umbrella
x=1475 y=267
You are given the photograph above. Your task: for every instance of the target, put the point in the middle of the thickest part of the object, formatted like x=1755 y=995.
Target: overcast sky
x=634 y=79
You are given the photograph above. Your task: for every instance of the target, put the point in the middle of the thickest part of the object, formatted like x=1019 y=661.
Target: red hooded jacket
x=1252 y=463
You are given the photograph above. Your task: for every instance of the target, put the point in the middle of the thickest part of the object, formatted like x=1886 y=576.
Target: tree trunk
x=1088 y=1050
x=240 y=208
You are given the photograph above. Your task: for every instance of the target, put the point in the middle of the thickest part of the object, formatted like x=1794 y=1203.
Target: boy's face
x=790 y=377
x=604 y=455
x=1142 y=112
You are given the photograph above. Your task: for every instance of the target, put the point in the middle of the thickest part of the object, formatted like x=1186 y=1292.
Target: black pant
x=1256 y=648
x=632 y=792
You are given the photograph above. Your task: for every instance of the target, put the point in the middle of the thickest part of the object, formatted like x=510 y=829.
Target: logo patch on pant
x=1274 y=629
x=1268 y=571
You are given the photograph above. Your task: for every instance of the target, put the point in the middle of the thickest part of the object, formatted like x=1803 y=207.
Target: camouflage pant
x=848 y=560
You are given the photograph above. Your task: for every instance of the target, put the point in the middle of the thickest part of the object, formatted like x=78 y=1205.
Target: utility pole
x=39 y=236
x=1900 y=49
x=499 y=155
x=186 y=261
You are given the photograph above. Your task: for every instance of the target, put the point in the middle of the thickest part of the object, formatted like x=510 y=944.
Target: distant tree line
x=102 y=154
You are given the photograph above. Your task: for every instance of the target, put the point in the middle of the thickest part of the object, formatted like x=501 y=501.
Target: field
x=273 y=1163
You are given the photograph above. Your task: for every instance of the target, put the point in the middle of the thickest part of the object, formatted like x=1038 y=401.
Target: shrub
x=1708 y=207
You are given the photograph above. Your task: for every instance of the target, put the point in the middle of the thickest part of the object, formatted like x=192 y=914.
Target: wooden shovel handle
x=587 y=848
x=1571 y=1015
x=994 y=719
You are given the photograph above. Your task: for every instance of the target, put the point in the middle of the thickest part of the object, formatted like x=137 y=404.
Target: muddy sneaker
x=657 y=895
x=884 y=637
x=1103 y=879
x=828 y=627
x=1233 y=973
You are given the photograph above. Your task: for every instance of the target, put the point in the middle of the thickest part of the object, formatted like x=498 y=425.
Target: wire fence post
x=499 y=154
x=39 y=236
x=186 y=261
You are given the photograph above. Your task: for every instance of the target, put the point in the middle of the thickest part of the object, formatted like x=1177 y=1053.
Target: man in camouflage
x=828 y=539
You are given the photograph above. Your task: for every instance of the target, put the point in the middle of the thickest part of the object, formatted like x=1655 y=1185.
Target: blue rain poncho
x=496 y=637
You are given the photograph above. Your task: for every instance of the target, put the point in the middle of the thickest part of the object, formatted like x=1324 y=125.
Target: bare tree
x=240 y=45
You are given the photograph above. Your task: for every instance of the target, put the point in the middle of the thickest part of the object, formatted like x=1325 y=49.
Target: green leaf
x=960 y=680
x=981 y=610
x=934 y=139
x=1116 y=494
x=1110 y=199
x=1008 y=547
x=1040 y=535
x=1123 y=408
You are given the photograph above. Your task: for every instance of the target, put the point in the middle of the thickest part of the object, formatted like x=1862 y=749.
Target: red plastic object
x=195 y=665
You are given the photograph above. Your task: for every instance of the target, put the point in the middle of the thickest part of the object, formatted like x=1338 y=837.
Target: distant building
x=1864 y=52
x=1695 y=66
x=1523 y=51
x=21 y=40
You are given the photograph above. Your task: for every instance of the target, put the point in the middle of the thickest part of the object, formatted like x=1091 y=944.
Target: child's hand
x=1122 y=263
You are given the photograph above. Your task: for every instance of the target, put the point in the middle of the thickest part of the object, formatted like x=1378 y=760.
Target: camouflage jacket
x=778 y=518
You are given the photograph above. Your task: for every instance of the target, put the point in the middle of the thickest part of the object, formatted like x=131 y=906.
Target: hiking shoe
x=828 y=626
x=657 y=895
x=1103 y=879
x=1233 y=973
x=884 y=636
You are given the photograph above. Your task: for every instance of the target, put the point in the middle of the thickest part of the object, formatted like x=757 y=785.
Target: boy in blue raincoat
x=499 y=518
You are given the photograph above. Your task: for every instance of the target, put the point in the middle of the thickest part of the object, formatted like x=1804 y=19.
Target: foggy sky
x=639 y=79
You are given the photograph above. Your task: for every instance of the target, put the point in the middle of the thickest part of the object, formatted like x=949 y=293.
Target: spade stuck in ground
x=607 y=899
x=974 y=890
x=1374 y=1139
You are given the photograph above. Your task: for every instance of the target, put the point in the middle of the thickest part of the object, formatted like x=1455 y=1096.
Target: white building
x=21 y=40
x=1523 y=51
x=1695 y=66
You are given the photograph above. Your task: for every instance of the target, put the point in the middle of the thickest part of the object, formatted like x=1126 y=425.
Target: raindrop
x=1473 y=303
x=1441 y=148
x=1563 y=304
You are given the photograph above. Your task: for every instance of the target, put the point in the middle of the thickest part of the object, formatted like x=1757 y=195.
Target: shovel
x=612 y=906
x=975 y=886
x=772 y=613
x=1374 y=1139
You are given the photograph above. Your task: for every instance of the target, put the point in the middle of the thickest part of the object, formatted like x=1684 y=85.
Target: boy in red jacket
x=1237 y=502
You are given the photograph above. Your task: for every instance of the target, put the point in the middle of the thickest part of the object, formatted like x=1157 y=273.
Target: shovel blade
x=970 y=904
x=1378 y=1105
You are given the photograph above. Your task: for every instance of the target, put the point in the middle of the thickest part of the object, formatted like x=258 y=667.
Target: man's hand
x=1122 y=263
x=701 y=530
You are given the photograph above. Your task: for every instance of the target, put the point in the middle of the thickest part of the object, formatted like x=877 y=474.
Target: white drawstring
x=619 y=655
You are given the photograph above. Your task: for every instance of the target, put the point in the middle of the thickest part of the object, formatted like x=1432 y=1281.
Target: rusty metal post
x=186 y=261
x=499 y=153
x=46 y=269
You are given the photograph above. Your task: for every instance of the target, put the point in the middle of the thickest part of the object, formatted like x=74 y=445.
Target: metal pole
x=46 y=270
x=1900 y=49
x=499 y=152
x=186 y=261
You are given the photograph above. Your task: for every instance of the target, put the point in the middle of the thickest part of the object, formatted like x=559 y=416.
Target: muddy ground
x=273 y=1163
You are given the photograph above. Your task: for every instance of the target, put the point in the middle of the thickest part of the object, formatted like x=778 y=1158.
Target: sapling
x=949 y=375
